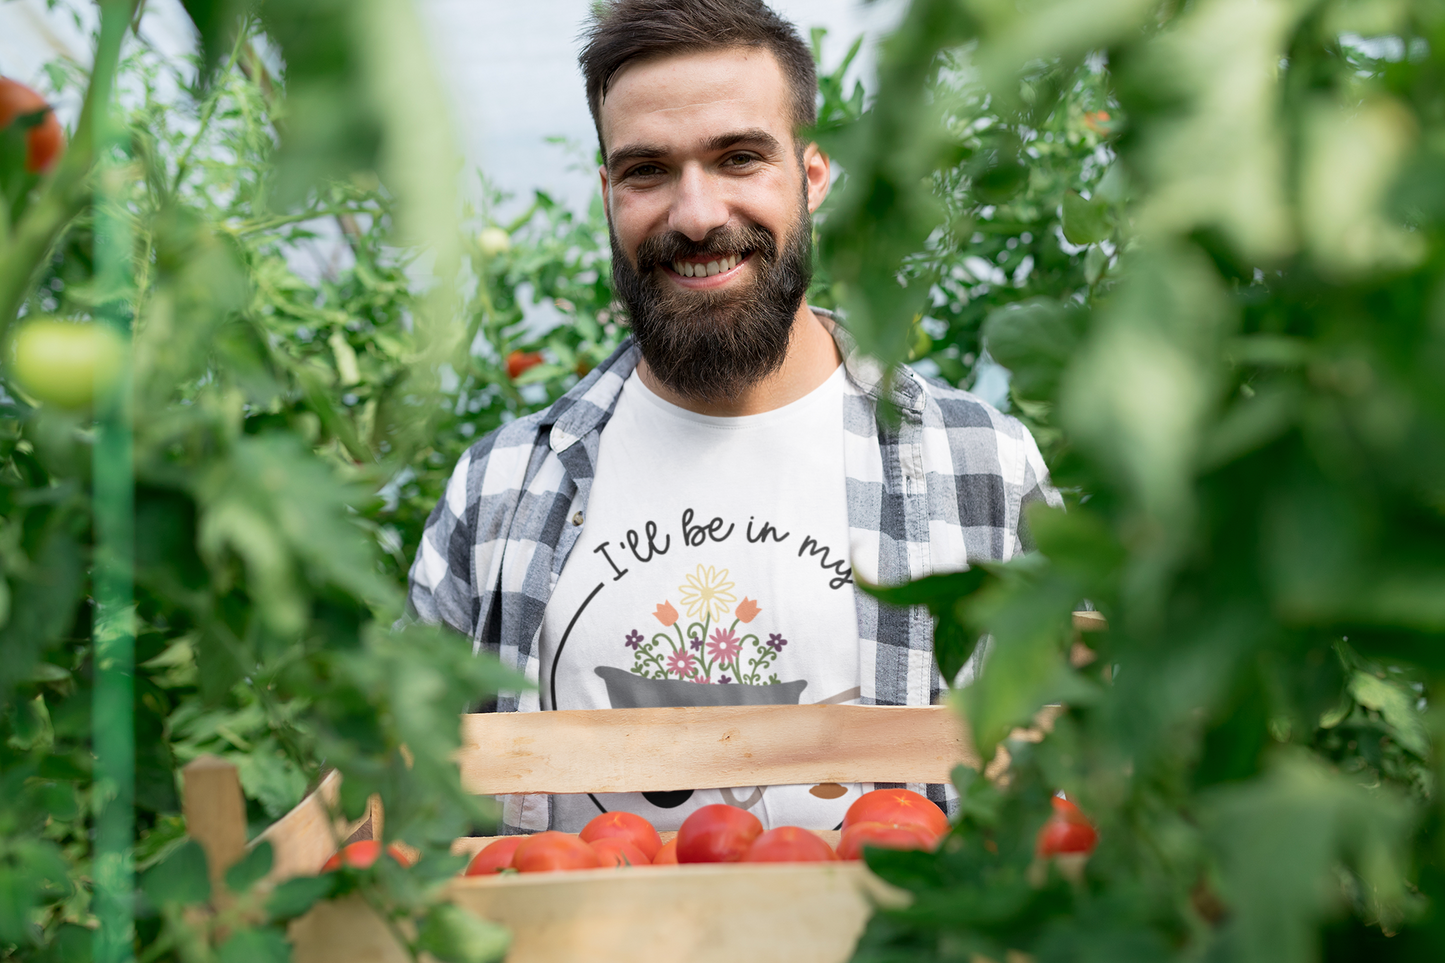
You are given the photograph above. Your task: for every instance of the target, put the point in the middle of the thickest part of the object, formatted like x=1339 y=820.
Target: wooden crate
x=760 y=913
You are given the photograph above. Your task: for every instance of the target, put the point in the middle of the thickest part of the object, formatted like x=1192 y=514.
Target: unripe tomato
x=623 y=825
x=1067 y=831
x=616 y=851
x=361 y=854
x=44 y=141
x=789 y=844
x=667 y=855
x=494 y=241
x=494 y=857
x=549 y=851
x=62 y=362
x=897 y=807
x=519 y=361
x=717 y=834
x=883 y=836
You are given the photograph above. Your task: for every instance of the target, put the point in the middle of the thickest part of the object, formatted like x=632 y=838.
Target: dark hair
x=622 y=31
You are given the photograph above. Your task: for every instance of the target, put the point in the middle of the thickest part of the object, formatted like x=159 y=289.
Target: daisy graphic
x=723 y=646
x=707 y=593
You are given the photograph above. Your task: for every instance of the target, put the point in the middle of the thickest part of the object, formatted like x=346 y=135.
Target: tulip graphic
x=666 y=614
x=747 y=610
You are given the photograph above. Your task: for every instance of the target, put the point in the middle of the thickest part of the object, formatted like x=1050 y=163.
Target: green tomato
x=494 y=241
x=63 y=362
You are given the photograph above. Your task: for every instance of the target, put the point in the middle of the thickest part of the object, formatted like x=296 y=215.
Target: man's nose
x=697 y=209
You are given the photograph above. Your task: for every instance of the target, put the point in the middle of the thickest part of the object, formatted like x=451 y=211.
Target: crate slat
x=655 y=750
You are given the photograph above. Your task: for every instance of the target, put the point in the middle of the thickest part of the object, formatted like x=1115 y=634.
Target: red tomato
x=897 y=807
x=549 y=851
x=1067 y=831
x=717 y=834
x=44 y=141
x=883 y=836
x=519 y=361
x=667 y=855
x=789 y=844
x=361 y=854
x=616 y=851
x=494 y=857
x=628 y=826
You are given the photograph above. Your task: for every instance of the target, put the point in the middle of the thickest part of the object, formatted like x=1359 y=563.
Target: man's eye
x=739 y=160
x=645 y=170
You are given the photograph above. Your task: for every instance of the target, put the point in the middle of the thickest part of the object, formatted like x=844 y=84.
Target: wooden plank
x=345 y=931
x=215 y=812
x=306 y=837
x=651 y=750
x=777 y=913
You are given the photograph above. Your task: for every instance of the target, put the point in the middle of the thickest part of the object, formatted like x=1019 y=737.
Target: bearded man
x=685 y=526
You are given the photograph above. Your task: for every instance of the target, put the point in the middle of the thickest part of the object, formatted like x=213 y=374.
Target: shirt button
x=577 y=519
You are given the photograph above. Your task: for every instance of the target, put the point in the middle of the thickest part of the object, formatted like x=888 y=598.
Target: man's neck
x=811 y=359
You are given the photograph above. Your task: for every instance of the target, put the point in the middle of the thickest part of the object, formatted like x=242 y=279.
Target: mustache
x=663 y=249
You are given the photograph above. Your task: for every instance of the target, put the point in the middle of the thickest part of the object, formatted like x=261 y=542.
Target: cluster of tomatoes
x=886 y=818
x=882 y=819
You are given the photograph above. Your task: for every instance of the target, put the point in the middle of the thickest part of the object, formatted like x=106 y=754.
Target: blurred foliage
x=1237 y=369
x=306 y=374
x=1204 y=239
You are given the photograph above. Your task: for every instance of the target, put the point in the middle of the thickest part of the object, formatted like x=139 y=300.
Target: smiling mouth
x=706 y=269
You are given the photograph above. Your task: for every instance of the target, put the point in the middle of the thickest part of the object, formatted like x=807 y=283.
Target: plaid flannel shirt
x=944 y=486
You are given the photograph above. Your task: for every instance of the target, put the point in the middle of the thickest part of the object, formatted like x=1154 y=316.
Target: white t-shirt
x=712 y=569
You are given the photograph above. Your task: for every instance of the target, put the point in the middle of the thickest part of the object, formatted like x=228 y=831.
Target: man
x=686 y=525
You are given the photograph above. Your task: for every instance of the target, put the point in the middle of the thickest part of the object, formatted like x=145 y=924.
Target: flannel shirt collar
x=589 y=406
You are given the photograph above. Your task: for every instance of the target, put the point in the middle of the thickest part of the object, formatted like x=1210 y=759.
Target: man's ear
x=606 y=193
x=817 y=173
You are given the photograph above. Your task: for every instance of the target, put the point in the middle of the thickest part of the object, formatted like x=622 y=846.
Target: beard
x=711 y=345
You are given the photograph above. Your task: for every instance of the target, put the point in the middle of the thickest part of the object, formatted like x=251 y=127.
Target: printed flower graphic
x=696 y=643
x=682 y=664
x=723 y=646
x=633 y=640
x=723 y=680
x=776 y=642
x=707 y=593
x=666 y=614
x=747 y=610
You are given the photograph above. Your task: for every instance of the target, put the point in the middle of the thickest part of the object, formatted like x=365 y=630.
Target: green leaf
x=250 y=868
x=1396 y=706
x=453 y=935
x=953 y=641
x=295 y=896
x=1035 y=340
x=1086 y=221
x=267 y=945
x=180 y=878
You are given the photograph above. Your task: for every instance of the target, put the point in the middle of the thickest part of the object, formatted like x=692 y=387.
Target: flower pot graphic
x=628 y=691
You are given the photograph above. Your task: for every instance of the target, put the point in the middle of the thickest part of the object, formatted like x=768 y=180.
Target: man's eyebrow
x=750 y=137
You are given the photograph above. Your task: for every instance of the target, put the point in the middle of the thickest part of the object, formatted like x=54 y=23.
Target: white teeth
x=690 y=270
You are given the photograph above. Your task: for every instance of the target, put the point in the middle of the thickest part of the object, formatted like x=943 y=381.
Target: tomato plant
x=717 y=834
x=362 y=854
x=44 y=139
x=1067 y=831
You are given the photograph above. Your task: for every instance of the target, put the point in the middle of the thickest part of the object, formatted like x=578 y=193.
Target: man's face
x=709 y=207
